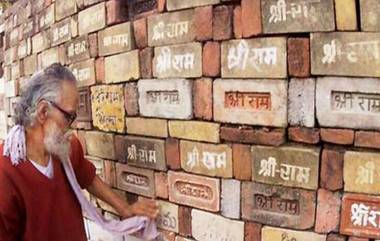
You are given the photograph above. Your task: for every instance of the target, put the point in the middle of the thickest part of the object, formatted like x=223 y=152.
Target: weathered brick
x=189 y=64
x=140 y=30
x=168 y=216
x=328 y=211
x=77 y=49
x=147 y=127
x=206 y=159
x=278 y=206
x=245 y=134
x=289 y=19
x=252 y=231
x=64 y=8
x=173 y=159
x=369 y=15
x=345 y=14
x=241 y=157
x=84 y=112
x=131 y=99
x=140 y=9
x=301 y=102
x=135 y=180
x=50 y=56
x=355 y=48
x=184 y=221
x=99 y=70
x=299 y=57
x=146 y=59
x=230 y=198
x=167 y=235
x=353 y=222
x=335 y=237
x=171 y=28
x=202 y=98
x=110 y=173
x=195 y=130
x=238 y=22
x=267 y=101
x=46 y=18
x=222 y=22
x=357 y=239
x=203 y=23
x=100 y=144
x=347 y=102
x=271 y=233
x=107 y=105
x=61 y=32
x=212 y=227
x=162 y=186
x=251 y=16
x=84 y=72
x=304 y=135
x=235 y=65
x=117 y=11
x=122 y=67
x=196 y=191
x=286 y=166
x=92 y=19
x=116 y=39
x=24 y=48
x=332 y=169
x=172 y=5
x=361 y=170
x=211 y=59
x=337 y=136
x=367 y=139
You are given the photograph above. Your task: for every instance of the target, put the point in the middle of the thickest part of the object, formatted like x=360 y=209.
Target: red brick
x=244 y=134
x=367 y=139
x=337 y=136
x=252 y=231
x=146 y=58
x=241 y=156
x=222 y=22
x=117 y=11
x=184 y=221
x=237 y=22
x=299 y=57
x=328 y=211
x=131 y=99
x=161 y=181
x=110 y=173
x=161 y=5
x=99 y=70
x=357 y=239
x=203 y=23
x=251 y=18
x=141 y=33
x=173 y=158
x=335 y=237
x=332 y=169
x=93 y=43
x=211 y=59
x=202 y=94
x=304 y=135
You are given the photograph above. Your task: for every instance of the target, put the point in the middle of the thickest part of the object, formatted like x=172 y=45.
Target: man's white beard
x=57 y=143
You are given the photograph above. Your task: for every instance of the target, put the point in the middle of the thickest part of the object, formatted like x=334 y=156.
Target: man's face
x=56 y=135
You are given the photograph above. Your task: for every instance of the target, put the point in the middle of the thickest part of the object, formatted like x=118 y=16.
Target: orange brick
x=161 y=182
x=222 y=22
x=202 y=94
x=304 y=135
x=299 y=57
x=251 y=17
x=328 y=211
x=173 y=158
x=203 y=23
x=332 y=169
x=131 y=99
x=211 y=59
x=337 y=136
x=368 y=139
x=146 y=59
x=237 y=20
x=99 y=70
x=241 y=156
x=141 y=33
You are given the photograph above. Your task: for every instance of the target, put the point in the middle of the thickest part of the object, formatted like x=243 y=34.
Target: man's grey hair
x=45 y=84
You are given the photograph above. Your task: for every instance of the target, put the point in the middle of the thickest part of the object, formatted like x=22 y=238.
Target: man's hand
x=143 y=207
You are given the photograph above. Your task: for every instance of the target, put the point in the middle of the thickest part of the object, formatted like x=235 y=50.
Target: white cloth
x=48 y=171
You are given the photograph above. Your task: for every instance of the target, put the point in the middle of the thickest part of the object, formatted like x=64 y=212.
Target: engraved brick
x=172 y=5
x=361 y=170
x=182 y=60
x=345 y=11
x=195 y=130
x=24 y=48
x=348 y=102
x=61 y=32
x=278 y=206
x=40 y=42
x=355 y=49
x=292 y=166
x=222 y=22
x=107 y=103
x=301 y=102
x=84 y=72
x=196 y=191
x=370 y=15
x=84 y=105
x=274 y=65
x=328 y=211
x=166 y=98
x=202 y=95
x=282 y=17
x=147 y=127
x=247 y=134
x=337 y=136
x=332 y=169
x=46 y=18
x=171 y=28
x=353 y=223
x=369 y=139
x=206 y=159
x=122 y=67
x=77 y=49
x=135 y=180
x=100 y=144
x=267 y=101
x=50 y=56
x=230 y=202
x=64 y=8
x=115 y=39
x=92 y=19
x=271 y=233
x=131 y=99
x=212 y=227
x=168 y=216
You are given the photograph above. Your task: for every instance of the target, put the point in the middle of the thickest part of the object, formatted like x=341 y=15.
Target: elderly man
x=38 y=199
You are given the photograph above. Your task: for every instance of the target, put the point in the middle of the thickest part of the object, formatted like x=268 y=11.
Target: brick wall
x=248 y=120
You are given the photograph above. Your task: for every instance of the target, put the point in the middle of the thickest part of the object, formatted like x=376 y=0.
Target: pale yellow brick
x=345 y=13
x=195 y=130
x=147 y=126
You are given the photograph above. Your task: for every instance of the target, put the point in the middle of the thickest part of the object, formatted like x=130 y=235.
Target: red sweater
x=36 y=208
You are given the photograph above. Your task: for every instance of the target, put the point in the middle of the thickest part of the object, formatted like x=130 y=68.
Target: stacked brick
x=248 y=120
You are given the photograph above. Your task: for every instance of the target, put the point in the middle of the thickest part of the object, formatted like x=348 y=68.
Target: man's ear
x=42 y=111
